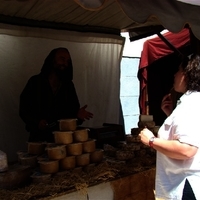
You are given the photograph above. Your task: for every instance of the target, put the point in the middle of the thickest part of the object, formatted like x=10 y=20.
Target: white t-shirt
x=183 y=125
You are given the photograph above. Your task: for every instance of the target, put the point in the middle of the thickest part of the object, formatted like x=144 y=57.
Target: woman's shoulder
x=191 y=95
x=191 y=101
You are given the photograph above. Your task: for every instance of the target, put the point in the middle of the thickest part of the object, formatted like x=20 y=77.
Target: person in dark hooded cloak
x=50 y=96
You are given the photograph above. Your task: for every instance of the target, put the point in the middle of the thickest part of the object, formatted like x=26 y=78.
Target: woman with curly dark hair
x=178 y=139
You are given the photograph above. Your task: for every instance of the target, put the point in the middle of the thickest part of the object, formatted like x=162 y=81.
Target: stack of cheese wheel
x=79 y=146
x=55 y=153
x=29 y=158
x=72 y=149
x=133 y=140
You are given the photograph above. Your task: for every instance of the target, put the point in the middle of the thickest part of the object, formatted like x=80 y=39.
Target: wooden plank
x=138 y=186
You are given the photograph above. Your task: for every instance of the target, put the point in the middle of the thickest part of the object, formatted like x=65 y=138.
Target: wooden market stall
x=82 y=173
x=91 y=30
x=107 y=180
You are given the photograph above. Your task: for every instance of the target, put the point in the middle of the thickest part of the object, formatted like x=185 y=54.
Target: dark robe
x=38 y=102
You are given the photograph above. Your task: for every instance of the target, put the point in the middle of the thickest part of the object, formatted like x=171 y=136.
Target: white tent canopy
x=105 y=16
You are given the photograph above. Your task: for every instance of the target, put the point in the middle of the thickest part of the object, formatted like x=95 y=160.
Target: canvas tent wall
x=29 y=29
x=96 y=62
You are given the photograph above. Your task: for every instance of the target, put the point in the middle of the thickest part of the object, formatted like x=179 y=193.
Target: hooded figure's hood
x=49 y=64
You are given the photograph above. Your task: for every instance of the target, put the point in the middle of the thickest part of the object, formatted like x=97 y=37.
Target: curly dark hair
x=191 y=69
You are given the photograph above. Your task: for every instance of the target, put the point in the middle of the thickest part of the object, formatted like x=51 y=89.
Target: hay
x=73 y=180
x=81 y=188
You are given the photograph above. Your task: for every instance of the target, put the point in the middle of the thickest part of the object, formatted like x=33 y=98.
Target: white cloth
x=182 y=124
x=96 y=70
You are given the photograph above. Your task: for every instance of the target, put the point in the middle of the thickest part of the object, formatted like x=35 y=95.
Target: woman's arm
x=175 y=149
x=171 y=148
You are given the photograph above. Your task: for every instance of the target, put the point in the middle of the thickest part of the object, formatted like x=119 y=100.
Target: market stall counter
x=78 y=170
x=108 y=180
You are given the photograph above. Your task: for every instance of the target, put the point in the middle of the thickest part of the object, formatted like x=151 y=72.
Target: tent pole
x=169 y=44
x=147 y=101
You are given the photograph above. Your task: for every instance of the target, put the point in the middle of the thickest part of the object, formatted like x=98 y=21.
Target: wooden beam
x=54 y=25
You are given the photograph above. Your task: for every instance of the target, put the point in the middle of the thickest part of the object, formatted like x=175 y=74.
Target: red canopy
x=154 y=49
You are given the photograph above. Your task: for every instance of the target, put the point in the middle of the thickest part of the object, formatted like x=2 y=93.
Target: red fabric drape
x=153 y=50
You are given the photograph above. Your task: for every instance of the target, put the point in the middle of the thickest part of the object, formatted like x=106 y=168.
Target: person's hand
x=43 y=124
x=145 y=136
x=84 y=114
x=167 y=104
